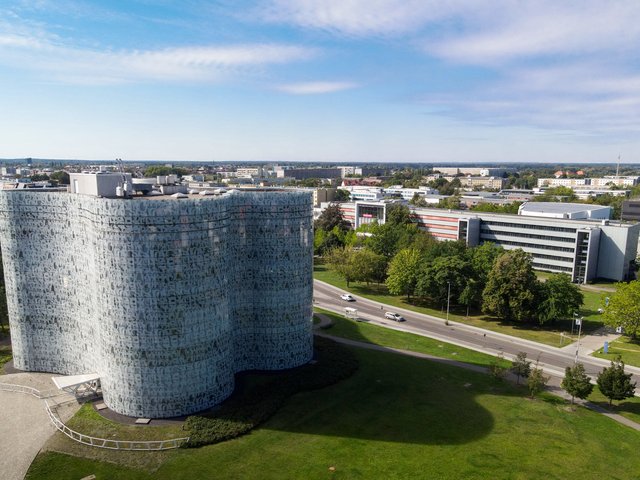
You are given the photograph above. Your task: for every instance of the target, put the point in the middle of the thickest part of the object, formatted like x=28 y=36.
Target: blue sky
x=335 y=80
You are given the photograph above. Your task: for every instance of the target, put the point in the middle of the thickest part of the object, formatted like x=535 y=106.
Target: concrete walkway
x=594 y=341
x=553 y=386
x=24 y=423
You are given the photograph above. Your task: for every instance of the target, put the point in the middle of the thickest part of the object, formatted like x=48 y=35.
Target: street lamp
x=448 y=299
x=579 y=323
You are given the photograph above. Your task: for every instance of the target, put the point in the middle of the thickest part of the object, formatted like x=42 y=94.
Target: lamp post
x=448 y=299
x=579 y=323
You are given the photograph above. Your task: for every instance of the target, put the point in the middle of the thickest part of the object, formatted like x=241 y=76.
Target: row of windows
x=535 y=245
x=527 y=235
x=530 y=227
x=543 y=266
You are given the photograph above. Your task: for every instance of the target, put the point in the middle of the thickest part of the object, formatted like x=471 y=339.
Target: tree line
x=410 y=262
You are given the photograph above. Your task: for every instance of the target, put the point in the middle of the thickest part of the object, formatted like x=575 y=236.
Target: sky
x=323 y=81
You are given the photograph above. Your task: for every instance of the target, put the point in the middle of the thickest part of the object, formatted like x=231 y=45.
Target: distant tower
x=618 y=167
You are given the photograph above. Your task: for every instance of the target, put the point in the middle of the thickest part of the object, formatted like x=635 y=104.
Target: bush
x=259 y=395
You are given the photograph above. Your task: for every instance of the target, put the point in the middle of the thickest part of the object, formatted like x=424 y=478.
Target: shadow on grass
x=396 y=398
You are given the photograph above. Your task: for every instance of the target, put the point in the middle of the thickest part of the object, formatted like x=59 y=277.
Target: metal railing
x=52 y=412
x=140 y=445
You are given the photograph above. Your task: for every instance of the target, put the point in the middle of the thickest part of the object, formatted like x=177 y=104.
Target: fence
x=52 y=412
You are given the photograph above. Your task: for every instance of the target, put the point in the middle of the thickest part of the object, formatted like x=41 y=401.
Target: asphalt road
x=552 y=360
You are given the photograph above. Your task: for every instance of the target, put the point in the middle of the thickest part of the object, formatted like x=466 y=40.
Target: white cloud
x=54 y=59
x=314 y=88
x=361 y=17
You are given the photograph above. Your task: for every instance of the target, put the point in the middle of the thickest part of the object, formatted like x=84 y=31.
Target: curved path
x=24 y=424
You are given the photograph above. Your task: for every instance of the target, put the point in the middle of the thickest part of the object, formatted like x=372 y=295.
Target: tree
x=497 y=368
x=330 y=218
x=403 y=272
x=369 y=266
x=389 y=238
x=61 y=177
x=536 y=381
x=512 y=288
x=560 y=298
x=576 y=382
x=623 y=308
x=614 y=383
x=444 y=277
x=418 y=200
x=398 y=214
x=39 y=177
x=341 y=261
x=521 y=367
x=342 y=195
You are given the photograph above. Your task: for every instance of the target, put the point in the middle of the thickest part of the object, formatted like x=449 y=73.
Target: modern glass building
x=165 y=299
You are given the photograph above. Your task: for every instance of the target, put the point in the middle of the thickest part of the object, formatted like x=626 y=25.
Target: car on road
x=347 y=297
x=396 y=317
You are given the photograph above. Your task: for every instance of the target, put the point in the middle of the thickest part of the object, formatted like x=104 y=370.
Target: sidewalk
x=594 y=341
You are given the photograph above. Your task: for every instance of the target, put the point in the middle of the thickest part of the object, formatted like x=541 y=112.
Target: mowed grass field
x=627 y=348
x=549 y=334
x=399 y=417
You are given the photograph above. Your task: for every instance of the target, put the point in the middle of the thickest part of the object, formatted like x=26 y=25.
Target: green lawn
x=375 y=334
x=629 y=408
x=90 y=422
x=549 y=334
x=400 y=417
x=628 y=349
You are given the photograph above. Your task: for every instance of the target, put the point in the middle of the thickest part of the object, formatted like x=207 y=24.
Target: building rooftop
x=560 y=207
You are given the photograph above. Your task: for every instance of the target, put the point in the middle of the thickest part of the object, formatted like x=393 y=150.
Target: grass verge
x=365 y=332
x=549 y=334
x=401 y=417
x=627 y=348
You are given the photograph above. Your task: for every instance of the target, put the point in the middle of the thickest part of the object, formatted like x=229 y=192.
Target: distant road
x=552 y=360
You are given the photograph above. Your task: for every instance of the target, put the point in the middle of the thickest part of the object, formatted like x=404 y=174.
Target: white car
x=396 y=317
x=347 y=297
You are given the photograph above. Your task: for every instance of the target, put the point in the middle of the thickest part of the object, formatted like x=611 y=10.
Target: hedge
x=259 y=395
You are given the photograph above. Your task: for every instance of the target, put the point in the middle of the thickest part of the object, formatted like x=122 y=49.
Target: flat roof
x=560 y=207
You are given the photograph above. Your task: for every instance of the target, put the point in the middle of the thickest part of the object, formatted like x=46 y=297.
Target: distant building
x=573 y=211
x=583 y=249
x=602 y=182
x=480 y=171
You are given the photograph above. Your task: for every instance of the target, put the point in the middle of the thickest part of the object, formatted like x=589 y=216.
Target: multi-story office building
x=602 y=182
x=164 y=298
x=584 y=249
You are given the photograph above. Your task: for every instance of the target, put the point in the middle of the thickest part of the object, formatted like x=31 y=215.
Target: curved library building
x=163 y=297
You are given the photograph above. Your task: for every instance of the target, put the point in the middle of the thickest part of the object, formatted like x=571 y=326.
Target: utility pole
x=579 y=323
x=448 y=298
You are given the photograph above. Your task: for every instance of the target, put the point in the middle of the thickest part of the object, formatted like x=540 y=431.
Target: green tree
x=61 y=177
x=614 y=383
x=404 y=272
x=497 y=368
x=387 y=239
x=330 y=218
x=559 y=298
x=521 y=367
x=418 y=200
x=398 y=214
x=369 y=266
x=623 y=308
x=512 y=288
x=536 y=381
x=510 y=208
x=483 y=258
x=576 y=382
x=160 y=170
x=342 y=195
x=39 y=177
x=444 y=277
x=341 y=261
